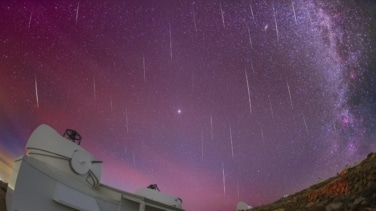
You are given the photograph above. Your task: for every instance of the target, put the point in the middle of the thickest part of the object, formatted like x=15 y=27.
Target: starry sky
x=216 y=101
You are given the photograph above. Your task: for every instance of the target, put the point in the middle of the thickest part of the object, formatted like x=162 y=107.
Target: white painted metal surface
x=57 y=174
x=242 y=206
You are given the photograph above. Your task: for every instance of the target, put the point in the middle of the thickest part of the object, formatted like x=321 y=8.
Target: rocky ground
x=353 y=189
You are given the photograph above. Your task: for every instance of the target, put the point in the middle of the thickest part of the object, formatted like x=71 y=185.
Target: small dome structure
x=242 y=206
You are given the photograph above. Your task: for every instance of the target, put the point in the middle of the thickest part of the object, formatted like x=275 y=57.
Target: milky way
x=215 y=101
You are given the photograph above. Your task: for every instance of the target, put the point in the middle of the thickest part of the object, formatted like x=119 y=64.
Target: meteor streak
x=126 y=119
x=249 y=92
x=276 y=26
x=211 y=126
x=224 y=179
x=202 y=145
x=78 y=7
x=288 y=89
x=293 y=9
x=250 y=38
x=169 y=27
x=194 y=16
x=95 y=92
x=31 y=15
x=111 y=103
x=305 y=123
x=143 y=66
x=232 y=146
x=250 y=7
x=271 y=108
x=36 y=90
x=222 y=14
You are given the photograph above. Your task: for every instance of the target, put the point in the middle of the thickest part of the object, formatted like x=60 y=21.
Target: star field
x=215 y=101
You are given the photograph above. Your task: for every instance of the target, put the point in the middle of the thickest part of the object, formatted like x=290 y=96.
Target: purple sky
x=215 y=101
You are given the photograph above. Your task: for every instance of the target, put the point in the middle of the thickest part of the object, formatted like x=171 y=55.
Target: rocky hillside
x=352 y=189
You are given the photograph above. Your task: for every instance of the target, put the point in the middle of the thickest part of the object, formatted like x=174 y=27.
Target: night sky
x=216 y=101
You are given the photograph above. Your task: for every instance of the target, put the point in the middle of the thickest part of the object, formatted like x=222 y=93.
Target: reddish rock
x=352 y=189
